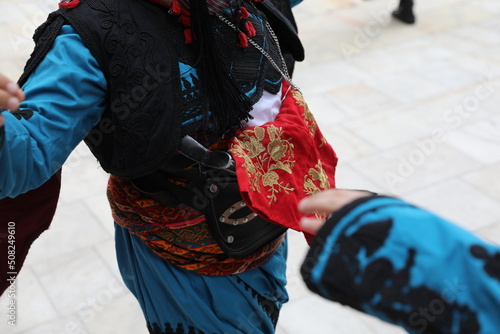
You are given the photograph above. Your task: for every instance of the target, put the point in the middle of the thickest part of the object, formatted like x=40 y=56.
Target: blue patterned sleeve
x=406 y=266
x=65 y=97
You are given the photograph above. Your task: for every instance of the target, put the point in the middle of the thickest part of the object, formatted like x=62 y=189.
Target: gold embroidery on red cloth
x=262 y=162
x=307 y=115
x=316 y=175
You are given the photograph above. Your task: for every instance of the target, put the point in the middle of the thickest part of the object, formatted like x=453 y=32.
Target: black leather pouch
x=238 y=230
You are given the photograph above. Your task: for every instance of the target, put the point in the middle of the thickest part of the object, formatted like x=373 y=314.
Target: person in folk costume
x=161 y=91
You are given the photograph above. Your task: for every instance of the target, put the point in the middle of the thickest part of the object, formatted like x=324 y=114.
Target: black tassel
x=218 y=90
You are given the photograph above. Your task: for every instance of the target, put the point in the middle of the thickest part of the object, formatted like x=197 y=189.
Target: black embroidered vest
x=152 y=100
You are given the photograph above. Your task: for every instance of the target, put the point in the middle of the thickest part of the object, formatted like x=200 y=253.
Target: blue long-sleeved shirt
x=407 y=266
x=67 y=96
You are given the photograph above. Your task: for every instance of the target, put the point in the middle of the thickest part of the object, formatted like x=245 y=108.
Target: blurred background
x=412 y=111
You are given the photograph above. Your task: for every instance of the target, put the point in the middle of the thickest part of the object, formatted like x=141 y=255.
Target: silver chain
x=284 y=72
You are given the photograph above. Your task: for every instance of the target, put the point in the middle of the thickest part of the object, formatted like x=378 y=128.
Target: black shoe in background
x=404 y=12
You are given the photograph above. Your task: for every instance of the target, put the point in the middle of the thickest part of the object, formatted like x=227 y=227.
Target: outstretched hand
x=324 y=203
x=10 y=95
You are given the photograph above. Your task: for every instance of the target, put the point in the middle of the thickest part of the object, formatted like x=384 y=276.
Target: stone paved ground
x=411 y=110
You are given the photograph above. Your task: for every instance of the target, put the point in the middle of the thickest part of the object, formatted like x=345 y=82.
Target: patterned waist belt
x=180 y=234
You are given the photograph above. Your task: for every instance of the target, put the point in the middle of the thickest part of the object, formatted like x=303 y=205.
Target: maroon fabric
x=28 y=215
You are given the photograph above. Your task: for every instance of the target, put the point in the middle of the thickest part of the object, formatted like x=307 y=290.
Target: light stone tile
x=405 y=125
x=482 y=64
x=491 y=233
x=280 y=329
x=347 y=145
x=77 y=281
x=445 y=73
x=107 y=252
x=313 y=314
x=20 y=39
x=378 y=326
x=348 y=178
x=488 y=51
x=479 y=34
x=382 y=61
x=459 y=202
x=364 y=11
x=27 y=297
x=491 y=23
x=326 y=112
x=74 y=228
x=120 y=315
x=360 y=100
x=333 y=32
x=323 y=78
x=99 y=206
x=492 y=6
x=425 y=6
x=401 y=57
x=480 y=141
x=407 y=86
x=457 y=46
x=450 y=17
x=457 y=109
x=82 y=178
x=486 y=179
x=488 y=106
x=63 y=325
x=296 y=254
x=373 y=31
x=413 y=166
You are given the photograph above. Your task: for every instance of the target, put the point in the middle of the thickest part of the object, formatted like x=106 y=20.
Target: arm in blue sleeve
x=294 y=3
x=406 y=266
x=65 y=97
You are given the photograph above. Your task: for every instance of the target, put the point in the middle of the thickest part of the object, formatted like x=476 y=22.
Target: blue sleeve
x=65 y=97
x=406 y=266
x=294 y=3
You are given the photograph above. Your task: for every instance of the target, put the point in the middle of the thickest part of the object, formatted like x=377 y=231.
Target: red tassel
x=249 y=29
x=69 y=4
x=243 y=40
x=244 y=13
x=188 y=36
x=185 y=20
x=176 y=8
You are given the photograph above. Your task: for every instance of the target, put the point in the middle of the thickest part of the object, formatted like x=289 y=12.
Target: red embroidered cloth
x=283 y=161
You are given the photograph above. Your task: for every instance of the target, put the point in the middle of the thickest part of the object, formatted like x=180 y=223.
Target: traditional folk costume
x=388 y=258
x=127 y=77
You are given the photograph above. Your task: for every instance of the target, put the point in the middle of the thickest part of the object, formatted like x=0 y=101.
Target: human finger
x=8 y=101
x=329 y=200
x=311 y=225
x=10 y=93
